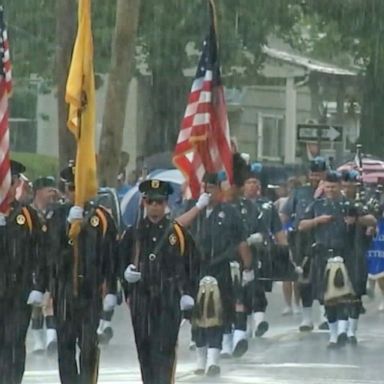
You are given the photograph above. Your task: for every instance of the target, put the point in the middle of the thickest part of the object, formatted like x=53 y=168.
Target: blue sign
x=375 y=254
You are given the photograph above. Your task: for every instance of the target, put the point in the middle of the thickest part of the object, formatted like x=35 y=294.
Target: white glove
x=109 y=302
x=203 y=201
x=75 y=213
x=255 y=238
x=186 y=302
x=35 y=298
x=299 y=270
x=248 y=276
x=131 y=275
x=2 y=220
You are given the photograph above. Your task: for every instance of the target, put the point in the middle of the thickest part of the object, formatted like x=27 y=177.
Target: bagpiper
x=301 y=242
x=333 y=220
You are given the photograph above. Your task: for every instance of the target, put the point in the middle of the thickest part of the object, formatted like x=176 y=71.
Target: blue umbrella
x=131 y=201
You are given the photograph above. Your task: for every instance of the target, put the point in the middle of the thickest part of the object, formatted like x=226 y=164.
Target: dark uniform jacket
x=97 y=250
x=338 y=237
x=23 y=267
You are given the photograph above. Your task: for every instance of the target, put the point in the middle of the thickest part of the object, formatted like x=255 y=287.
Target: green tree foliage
x=361 y=31
x=31 y=27
x=164 y=35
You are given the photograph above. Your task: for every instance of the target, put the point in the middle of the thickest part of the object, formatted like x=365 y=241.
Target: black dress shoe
x=213 y=370
x=324 y=326
x=240 y=348
x=352 y=340
x=342 y=339
x=261 y=329
x=199 y=372
x=106 y=336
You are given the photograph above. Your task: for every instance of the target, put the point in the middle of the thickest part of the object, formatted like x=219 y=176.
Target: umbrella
x=131 y=201
x=372 y=168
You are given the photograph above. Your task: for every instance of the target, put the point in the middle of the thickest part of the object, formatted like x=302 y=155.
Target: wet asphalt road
x=282 y=356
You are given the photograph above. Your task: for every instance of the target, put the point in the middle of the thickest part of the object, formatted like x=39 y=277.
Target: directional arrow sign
x=319 y=132
x=333 y=133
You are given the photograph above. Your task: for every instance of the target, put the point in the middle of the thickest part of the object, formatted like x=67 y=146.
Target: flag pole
x=214 y=14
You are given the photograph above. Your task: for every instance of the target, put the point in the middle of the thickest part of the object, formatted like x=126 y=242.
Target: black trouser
x=254 y=297
x=354 y=308
x=78 y=325
x=306 y=294
x=156 y=321
x=15 y=316
x=211 y=337
x=336 y=312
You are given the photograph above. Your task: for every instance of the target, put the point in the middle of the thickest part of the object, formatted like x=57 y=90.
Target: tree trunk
x=65 y=33
x=122 y=65
x=169 y=99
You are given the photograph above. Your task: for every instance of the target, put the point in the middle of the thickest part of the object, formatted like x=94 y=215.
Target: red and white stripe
x=372 y=169
x=203 y=143
x=5 y=89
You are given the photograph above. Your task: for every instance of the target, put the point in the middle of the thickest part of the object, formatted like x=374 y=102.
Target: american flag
x=203 y=144
x=5 y=90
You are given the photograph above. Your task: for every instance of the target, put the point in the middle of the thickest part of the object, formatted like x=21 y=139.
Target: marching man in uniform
x=44 y=190
x=301 y=242
x=157 y=257
x=22 y=280
x=332 y=220
x=77 y=289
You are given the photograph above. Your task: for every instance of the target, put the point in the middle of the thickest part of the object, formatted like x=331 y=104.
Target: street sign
x=319 y=132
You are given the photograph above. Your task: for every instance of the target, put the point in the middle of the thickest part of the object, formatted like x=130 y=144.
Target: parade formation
x=210 y=265
x=207 y=252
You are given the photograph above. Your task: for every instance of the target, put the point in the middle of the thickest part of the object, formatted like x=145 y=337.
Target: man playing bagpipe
x=301 y=242
x=220 y=236
x=22 y=275
x=78 y=277
x=160 y=270
x=333 y=220
x=269 y=245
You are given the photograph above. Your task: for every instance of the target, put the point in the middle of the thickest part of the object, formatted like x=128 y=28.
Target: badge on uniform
x=44 y=228
x=94 y=221
x=172 y=239
x=20 y=219
x=155 y=184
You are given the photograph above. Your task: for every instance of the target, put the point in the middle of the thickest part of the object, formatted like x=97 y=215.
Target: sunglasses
x=155 y=200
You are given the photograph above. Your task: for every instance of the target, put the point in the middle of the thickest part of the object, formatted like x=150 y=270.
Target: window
x=271 y=137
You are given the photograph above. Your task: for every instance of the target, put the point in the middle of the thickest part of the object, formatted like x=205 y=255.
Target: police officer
x=44 y=191
x=301 y=243
x=78 y=274
x=332 y=221
x=220 y=236
x=265 y=236
x=22 y=280
x=157 y=259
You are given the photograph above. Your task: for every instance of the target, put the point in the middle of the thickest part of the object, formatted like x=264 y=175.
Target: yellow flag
x=80 y=95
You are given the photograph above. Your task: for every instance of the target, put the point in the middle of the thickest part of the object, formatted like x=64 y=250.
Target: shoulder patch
x=20 y=219
x=94 y=221
x=172 y=239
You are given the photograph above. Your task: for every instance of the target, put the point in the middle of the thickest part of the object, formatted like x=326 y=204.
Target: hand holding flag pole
x=203 y=144
x=80 y=95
